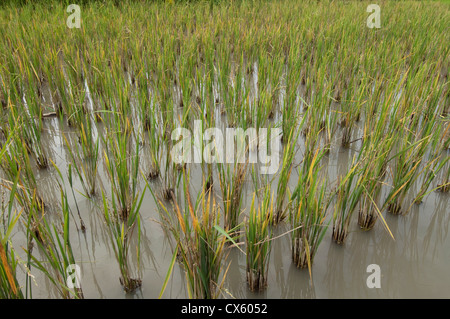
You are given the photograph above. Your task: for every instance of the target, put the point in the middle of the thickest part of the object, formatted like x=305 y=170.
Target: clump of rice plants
x=348 y=194
x=406 y=166
x=290 y=105
x=170 y=179
x=154 y=169
x=122 y=215
x=29 y=111
x=9 y=288
x=445 y=186
x=120 y=232
x=16 y=164
x=258 y=238
x=122 y=162
x=54 y=245
x=308 y=211
x=376 y=149
x=231 y=179
x=200 y=243
x=436 y=162
x=415 y=128
x=281 y=209
x=123 y=87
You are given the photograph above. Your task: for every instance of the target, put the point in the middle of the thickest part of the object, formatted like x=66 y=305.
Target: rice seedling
x=122 y=164
x=231 y=180
x=406 y=168
x=274 y=75
x=16 y=165
x=121 y=231
x=10 y=288
x=378 y=97
x=200 y=243
x=150 y=127
x=308 y=211
x=368 y=209
x=290 y=107
x=348 y=194
x=258 y=239
x=266 y=103
x=376 y=148
x=171 y=178
x=348 y=123
x=55 y=247
x=281 y=211
x=31 y=110
x=209 y=117
x=445 y=186
x=237 y=105
x=171 y=175
x=433 y=126
x=122 y=215
x=22 y=184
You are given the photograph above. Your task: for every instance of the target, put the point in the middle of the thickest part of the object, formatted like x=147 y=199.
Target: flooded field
x=119 y=178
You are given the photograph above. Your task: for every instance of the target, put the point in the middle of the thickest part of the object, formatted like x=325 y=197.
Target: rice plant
x=120 y=231
x=16 y=164
x=436 y=162
x=308 y=211
x=348 y=194
x=281 y=210
x=102 y=101
x=54 y=245
x=376 y=149
x=445 y=186
x=122 y=163
x=406 y=168
x=9 y=285
x=85 y=154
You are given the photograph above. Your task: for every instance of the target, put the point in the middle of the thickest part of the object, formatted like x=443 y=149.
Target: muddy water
x=414 y=265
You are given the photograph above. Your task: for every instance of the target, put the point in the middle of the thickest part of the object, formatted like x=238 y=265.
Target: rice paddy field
x=94 y=204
